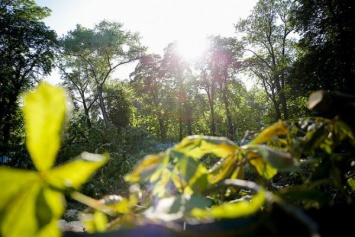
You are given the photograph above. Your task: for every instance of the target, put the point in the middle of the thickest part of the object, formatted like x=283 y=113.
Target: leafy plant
x=32 y=202
x=182 y=189
x=179 y=189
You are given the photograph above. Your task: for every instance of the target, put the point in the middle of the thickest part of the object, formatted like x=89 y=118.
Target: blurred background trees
x=27 y=48
x=288 y=48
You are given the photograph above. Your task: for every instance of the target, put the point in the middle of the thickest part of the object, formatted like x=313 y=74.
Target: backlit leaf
x=222 y=170
x=44 y=111
x=13 y=182
x=261 y=166
x=76 y=172
x=145 y=168
x=50 y=207
x=198 y=146
x=277 y=129
x=32 y=210
x=351 y=183
x=176 y=207
x=96 y=222
x=278 y=159
x=232 y=210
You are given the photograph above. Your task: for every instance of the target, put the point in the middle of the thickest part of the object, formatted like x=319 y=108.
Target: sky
x=158 y=22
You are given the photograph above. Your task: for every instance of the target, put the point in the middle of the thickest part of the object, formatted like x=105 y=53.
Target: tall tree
x=119 y=105
x=218 y=70
x=178 y=72
x=79 y=85
x=226 y=56
x=27 y=48
x=150 y=89
x=102 y=49
x=327 y=30
x=206 y=83
x=268 y=38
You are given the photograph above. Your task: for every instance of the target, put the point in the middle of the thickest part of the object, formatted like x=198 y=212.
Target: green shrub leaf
x=276 y=158
x=75 y=173
x=28 y=207
x=50 y=207
x=13 y=182
x=277 y=129
x=176 y=207
x=44 y=111
x=198 y=146
x=145 y=168
x=232 y=210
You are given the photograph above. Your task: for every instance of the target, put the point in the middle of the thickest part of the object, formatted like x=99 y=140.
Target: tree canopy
x=327 y=49
x=27 y=48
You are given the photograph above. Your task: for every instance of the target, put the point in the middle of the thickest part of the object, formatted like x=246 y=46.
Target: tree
x=327 y=49
x=119 y=105
x=79 y=85
x=148 y=83
x=268 y=38
x=177 y=71
x=26 y=52
x=226 y=56
x=102 y=50
x=217 y=69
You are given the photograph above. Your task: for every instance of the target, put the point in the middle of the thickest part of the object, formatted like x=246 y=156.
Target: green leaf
x=351 y=183
x=192 y=175
x=76 y=172
x=278 y=159
x=49 y=209
x=176 y=207
x=13 y=182
x=198 y=146
x=277 y=129
x=232 y=210
x=44 y=111
x=96 y=222
x=28 y=207
x=263 y=168
x=145 y=168
x=222 y=169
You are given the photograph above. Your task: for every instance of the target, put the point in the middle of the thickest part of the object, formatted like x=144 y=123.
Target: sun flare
x=192 y=48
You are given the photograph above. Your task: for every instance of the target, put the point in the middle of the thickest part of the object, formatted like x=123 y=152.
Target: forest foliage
x=229 y=147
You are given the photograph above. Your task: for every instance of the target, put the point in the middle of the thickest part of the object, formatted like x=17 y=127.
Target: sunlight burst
x=193 y=48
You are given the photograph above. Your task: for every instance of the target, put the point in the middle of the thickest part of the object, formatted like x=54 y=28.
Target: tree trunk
x=224 y=87
x=162 y=130
x=102 y=106
x=284 y=105
x=188 y=117
x=180 y=123
x=210 y=95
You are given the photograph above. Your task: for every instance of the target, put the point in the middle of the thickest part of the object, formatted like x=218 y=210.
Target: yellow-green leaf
x=13 y=182
x=277 y=129
x=96 y=222
x=351 y=183
x=44 y=111
x=144 y=169
x=76 y=172
x=198 y=146
x=232 y=210
x=176 y=207
x=276 y=158
x=50 y=207
x=261 y=166
x=28 y=207
x=222 y=170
